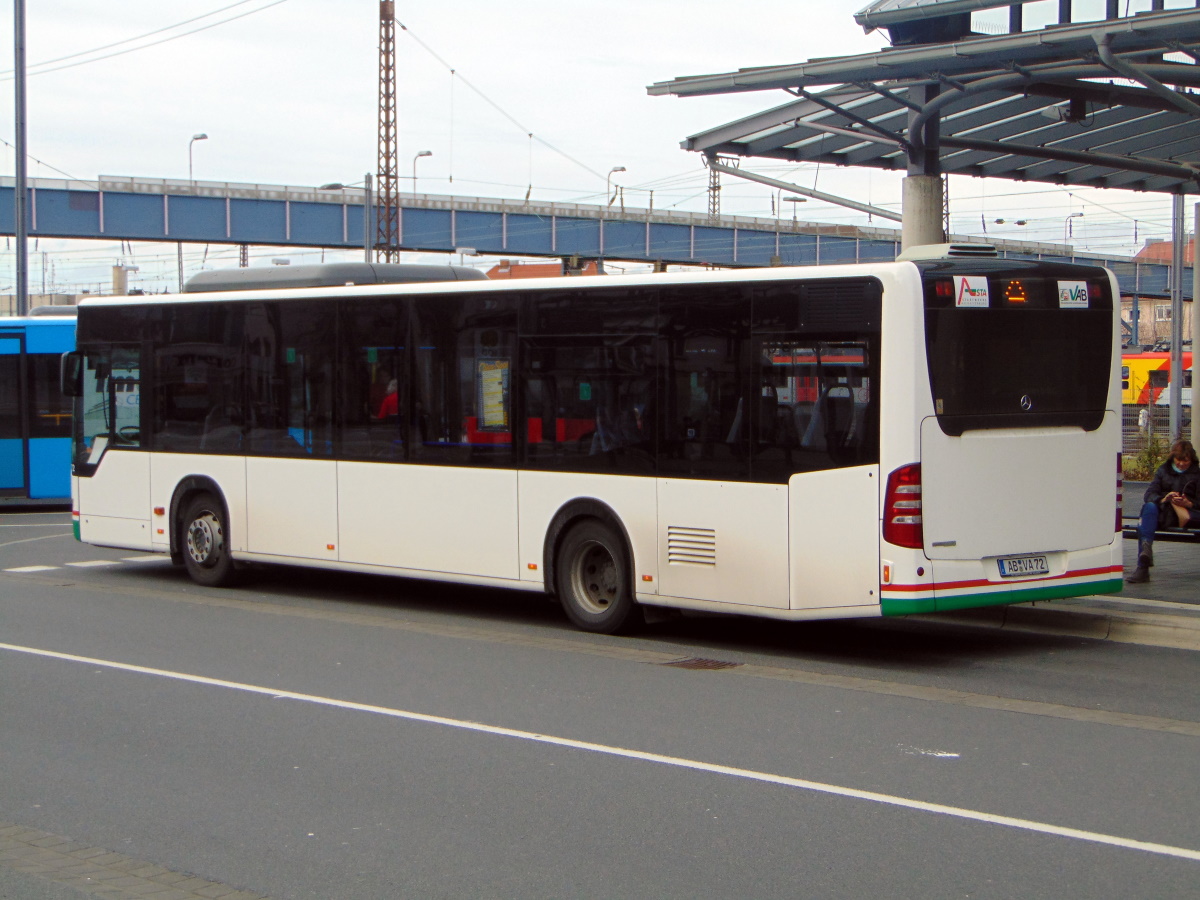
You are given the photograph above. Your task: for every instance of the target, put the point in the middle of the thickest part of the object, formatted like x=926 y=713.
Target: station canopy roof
x=1108 y=103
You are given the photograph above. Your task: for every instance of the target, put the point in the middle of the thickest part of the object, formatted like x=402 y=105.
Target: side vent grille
x=691 y=546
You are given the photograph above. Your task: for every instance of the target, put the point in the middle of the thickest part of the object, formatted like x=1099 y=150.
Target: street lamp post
x=794 y=200
x=415 y=158
x=368 y=208
x=21 y=231
x=195 y=137
x=608 y=184
x=1068 y=230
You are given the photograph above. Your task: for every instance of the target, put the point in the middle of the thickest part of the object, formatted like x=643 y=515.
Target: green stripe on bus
x=75 y=529
x=900 y=607
x=999 y=598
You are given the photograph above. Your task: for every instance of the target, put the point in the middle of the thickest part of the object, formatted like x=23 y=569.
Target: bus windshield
x=1013 y=351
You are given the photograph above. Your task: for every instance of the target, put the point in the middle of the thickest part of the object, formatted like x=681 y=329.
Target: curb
x=1147 y=629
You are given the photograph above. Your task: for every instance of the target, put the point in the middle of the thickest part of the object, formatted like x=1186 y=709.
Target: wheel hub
x=204 y=539
x=595 y=578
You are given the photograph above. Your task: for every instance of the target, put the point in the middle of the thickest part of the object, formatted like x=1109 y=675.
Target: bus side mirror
x=70 y=374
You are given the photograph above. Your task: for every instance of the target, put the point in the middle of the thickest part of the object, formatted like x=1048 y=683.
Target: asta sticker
x=1072 y=295
x=971 y=290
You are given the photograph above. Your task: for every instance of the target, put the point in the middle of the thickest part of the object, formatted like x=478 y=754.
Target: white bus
x=797 y=443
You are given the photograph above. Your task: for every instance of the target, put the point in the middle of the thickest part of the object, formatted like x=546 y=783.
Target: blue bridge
x=138 y=209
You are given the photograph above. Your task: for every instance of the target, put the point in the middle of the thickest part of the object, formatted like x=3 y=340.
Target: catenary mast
x=387 y=230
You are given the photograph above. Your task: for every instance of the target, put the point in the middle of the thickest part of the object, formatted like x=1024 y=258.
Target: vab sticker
x=971 y=290
x=1072 y=294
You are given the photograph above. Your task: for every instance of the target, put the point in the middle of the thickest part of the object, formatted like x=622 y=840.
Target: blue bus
x=35 y=417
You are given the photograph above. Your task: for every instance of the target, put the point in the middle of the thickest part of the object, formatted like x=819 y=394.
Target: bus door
x=722 y=537
x=14 y=427
x=818 y=430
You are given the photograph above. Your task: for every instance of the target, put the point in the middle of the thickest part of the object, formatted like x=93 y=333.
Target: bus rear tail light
x=902 y=508
x=1120 y=492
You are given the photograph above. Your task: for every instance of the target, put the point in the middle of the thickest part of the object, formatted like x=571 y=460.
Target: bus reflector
x=902 y=508
x=1120 y=493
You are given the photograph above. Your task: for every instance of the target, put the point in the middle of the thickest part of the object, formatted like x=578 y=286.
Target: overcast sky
x=288 y=94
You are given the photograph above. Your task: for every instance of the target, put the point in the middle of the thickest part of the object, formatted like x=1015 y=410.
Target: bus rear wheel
x=205 y=548
x=593 y=580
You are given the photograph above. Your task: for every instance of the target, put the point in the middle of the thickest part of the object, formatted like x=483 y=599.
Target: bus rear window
x=1011 y=352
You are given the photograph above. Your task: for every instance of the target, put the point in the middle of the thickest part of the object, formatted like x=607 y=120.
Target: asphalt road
x=330 y=736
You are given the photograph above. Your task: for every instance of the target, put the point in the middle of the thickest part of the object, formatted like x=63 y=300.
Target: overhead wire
x=492 y=103
x=40 y=162
x=139 y=37
x=44 y=71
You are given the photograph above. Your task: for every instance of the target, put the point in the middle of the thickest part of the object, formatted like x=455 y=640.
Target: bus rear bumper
x=969 y=584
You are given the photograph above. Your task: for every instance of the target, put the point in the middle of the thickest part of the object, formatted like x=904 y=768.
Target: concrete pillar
x=1195 y=323
x=1175 y=390
x=922 y=209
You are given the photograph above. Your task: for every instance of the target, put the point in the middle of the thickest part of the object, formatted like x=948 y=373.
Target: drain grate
x=697 y=662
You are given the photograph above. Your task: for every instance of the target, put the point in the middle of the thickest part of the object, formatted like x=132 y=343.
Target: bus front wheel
x=593 y=580
x=205 y=545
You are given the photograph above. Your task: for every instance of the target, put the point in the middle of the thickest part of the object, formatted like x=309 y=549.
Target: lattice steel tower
x=387 y=214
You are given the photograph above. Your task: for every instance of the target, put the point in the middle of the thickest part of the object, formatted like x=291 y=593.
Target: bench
x=1129 y=528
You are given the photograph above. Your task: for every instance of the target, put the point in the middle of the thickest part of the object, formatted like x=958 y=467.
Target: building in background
x=1154 y=310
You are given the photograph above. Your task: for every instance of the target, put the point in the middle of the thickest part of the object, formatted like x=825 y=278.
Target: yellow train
x=1145 y=377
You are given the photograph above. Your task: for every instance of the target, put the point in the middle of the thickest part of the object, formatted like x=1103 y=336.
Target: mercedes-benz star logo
x=1026 y=402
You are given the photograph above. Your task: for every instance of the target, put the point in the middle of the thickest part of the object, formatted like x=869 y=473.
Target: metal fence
x=1142 y=424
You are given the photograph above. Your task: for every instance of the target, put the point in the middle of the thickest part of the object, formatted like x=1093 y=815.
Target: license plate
x=1016 y=566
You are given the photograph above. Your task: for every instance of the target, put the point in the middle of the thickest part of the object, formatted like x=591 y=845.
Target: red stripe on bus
x=957 y=585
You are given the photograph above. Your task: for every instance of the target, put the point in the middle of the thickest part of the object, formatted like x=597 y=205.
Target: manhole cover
x=696 y=662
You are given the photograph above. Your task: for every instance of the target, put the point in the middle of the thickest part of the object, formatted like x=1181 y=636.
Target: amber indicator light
x=1014 y=292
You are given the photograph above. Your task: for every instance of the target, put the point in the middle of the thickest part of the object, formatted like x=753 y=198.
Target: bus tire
x=205 y=543
x=593 y=580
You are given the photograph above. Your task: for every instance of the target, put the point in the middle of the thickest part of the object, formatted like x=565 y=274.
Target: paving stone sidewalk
x=29 y=855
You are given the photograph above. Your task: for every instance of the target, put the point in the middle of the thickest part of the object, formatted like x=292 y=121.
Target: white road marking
x=35 y=525
x=920 y=751
x=32 y=569
x=626 y=753
x=31 y=540
x=93 y=563
x=150 y=558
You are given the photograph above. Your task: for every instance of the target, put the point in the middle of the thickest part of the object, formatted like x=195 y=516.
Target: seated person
x=1175 y=486
x=389 y=407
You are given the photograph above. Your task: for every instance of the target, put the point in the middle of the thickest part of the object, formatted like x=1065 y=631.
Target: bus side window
x=589 y=403
x=464 y=349
x=10 y=401
x=706 y=371
x=51 y=409
x=290 y=369
x=199 y=382
x=375 y=379
x=817 y=409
